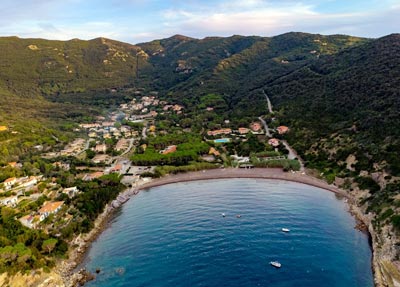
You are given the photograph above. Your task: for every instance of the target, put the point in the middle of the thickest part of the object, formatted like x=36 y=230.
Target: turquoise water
x=174 y=235
x=224 y=140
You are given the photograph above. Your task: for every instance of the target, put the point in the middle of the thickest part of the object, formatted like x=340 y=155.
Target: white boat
x=275 y=264
x=223 y=214
x=285 y=229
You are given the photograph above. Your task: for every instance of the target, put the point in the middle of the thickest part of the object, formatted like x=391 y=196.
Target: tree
x=49 y=244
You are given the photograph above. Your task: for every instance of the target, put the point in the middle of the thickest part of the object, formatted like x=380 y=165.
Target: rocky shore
x=385 y=270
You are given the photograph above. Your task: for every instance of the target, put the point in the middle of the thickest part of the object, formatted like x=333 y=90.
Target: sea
x=176 y=235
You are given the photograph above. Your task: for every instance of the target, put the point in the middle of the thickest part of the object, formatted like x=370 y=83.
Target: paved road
x=293 y=154
x=268 y=102
x=144 y=135
x=267 y=133
x=129 y=147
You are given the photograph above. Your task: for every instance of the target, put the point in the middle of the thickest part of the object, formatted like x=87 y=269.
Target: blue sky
x=137 y=21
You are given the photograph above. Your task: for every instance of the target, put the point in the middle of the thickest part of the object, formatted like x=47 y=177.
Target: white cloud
x=267 y=20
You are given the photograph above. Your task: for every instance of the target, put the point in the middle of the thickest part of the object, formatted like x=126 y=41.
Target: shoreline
x=68 y=268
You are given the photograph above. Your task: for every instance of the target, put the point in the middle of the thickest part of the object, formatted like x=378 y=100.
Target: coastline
x=67 y=268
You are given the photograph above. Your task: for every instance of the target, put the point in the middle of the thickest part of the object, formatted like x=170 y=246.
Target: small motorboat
x=238 y=216
x=223 y=214
x=276 y=264
x=285 y=229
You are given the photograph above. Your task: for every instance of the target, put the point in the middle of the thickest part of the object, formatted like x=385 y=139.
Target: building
x=122 y=144
x=50 y=208
x=255 y=127
x=282 y=129
x=92 y=175
x=3 y=128
x=169 y=149
x=9 y=182
x=29 y=221
x=219 y=132
x=71 y=191
x=62 y=165
x=116 y=168
x=100 y=148
x=273 y=142
x=9 y=201
x=213 y=151
x=243 y=131
x=98 y=158
x=29 y=183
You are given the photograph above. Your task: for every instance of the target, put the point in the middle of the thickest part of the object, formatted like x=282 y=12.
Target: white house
x=50 y=208
x=9 y=201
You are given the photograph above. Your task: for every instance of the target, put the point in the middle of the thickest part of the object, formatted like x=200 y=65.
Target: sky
x=136 y=21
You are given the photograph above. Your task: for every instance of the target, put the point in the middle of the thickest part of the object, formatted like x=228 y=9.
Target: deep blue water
x=174 y=236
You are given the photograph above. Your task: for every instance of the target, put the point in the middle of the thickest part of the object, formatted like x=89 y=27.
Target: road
x=144 y=136
x=293 y=154
x=268 y=102
x=129 y=147
x=267 y=133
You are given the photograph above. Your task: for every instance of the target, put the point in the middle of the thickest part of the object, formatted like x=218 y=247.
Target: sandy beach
x=261 y=173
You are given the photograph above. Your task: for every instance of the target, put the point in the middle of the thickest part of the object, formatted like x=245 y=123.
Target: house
x=125 y=129
x=89 y=126
x=255 y=127
x=116 y=168
x=152 y=128
x=273 y=142
x=29 y=221
x=29 y=183
x=71 y=191
x=62 y=165
x=9 y=182
x=122 y=144
x=169 y=149
x=98 y=158
x=243 y=131
x=50 y=208
x=100 y=148
x=177 y=108
x=93 y=175
x=213 y=151
x=13 y=164
x=9 y=201
x=107 y=124
x=219 y=132
x=282 y=129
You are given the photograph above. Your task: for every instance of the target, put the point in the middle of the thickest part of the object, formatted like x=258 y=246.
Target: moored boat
x=276 y=264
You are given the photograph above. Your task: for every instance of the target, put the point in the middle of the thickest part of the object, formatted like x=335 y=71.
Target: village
x=109 y=144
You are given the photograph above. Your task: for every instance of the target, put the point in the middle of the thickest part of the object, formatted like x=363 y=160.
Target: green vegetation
x=24 y=249
x=189 y=147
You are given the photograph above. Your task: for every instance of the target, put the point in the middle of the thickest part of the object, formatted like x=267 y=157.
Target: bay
x=175 y=235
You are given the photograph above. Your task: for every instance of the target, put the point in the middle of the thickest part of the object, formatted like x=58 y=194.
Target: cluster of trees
x=189 y=147
x=22 y=248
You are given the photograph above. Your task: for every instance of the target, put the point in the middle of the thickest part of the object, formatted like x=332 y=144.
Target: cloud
x=143 y=20
x=267 y=20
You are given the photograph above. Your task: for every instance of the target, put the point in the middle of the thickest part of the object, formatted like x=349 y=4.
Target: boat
x=285 y=229
x=223 y=214
x=238 y=216
x=276 y=264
